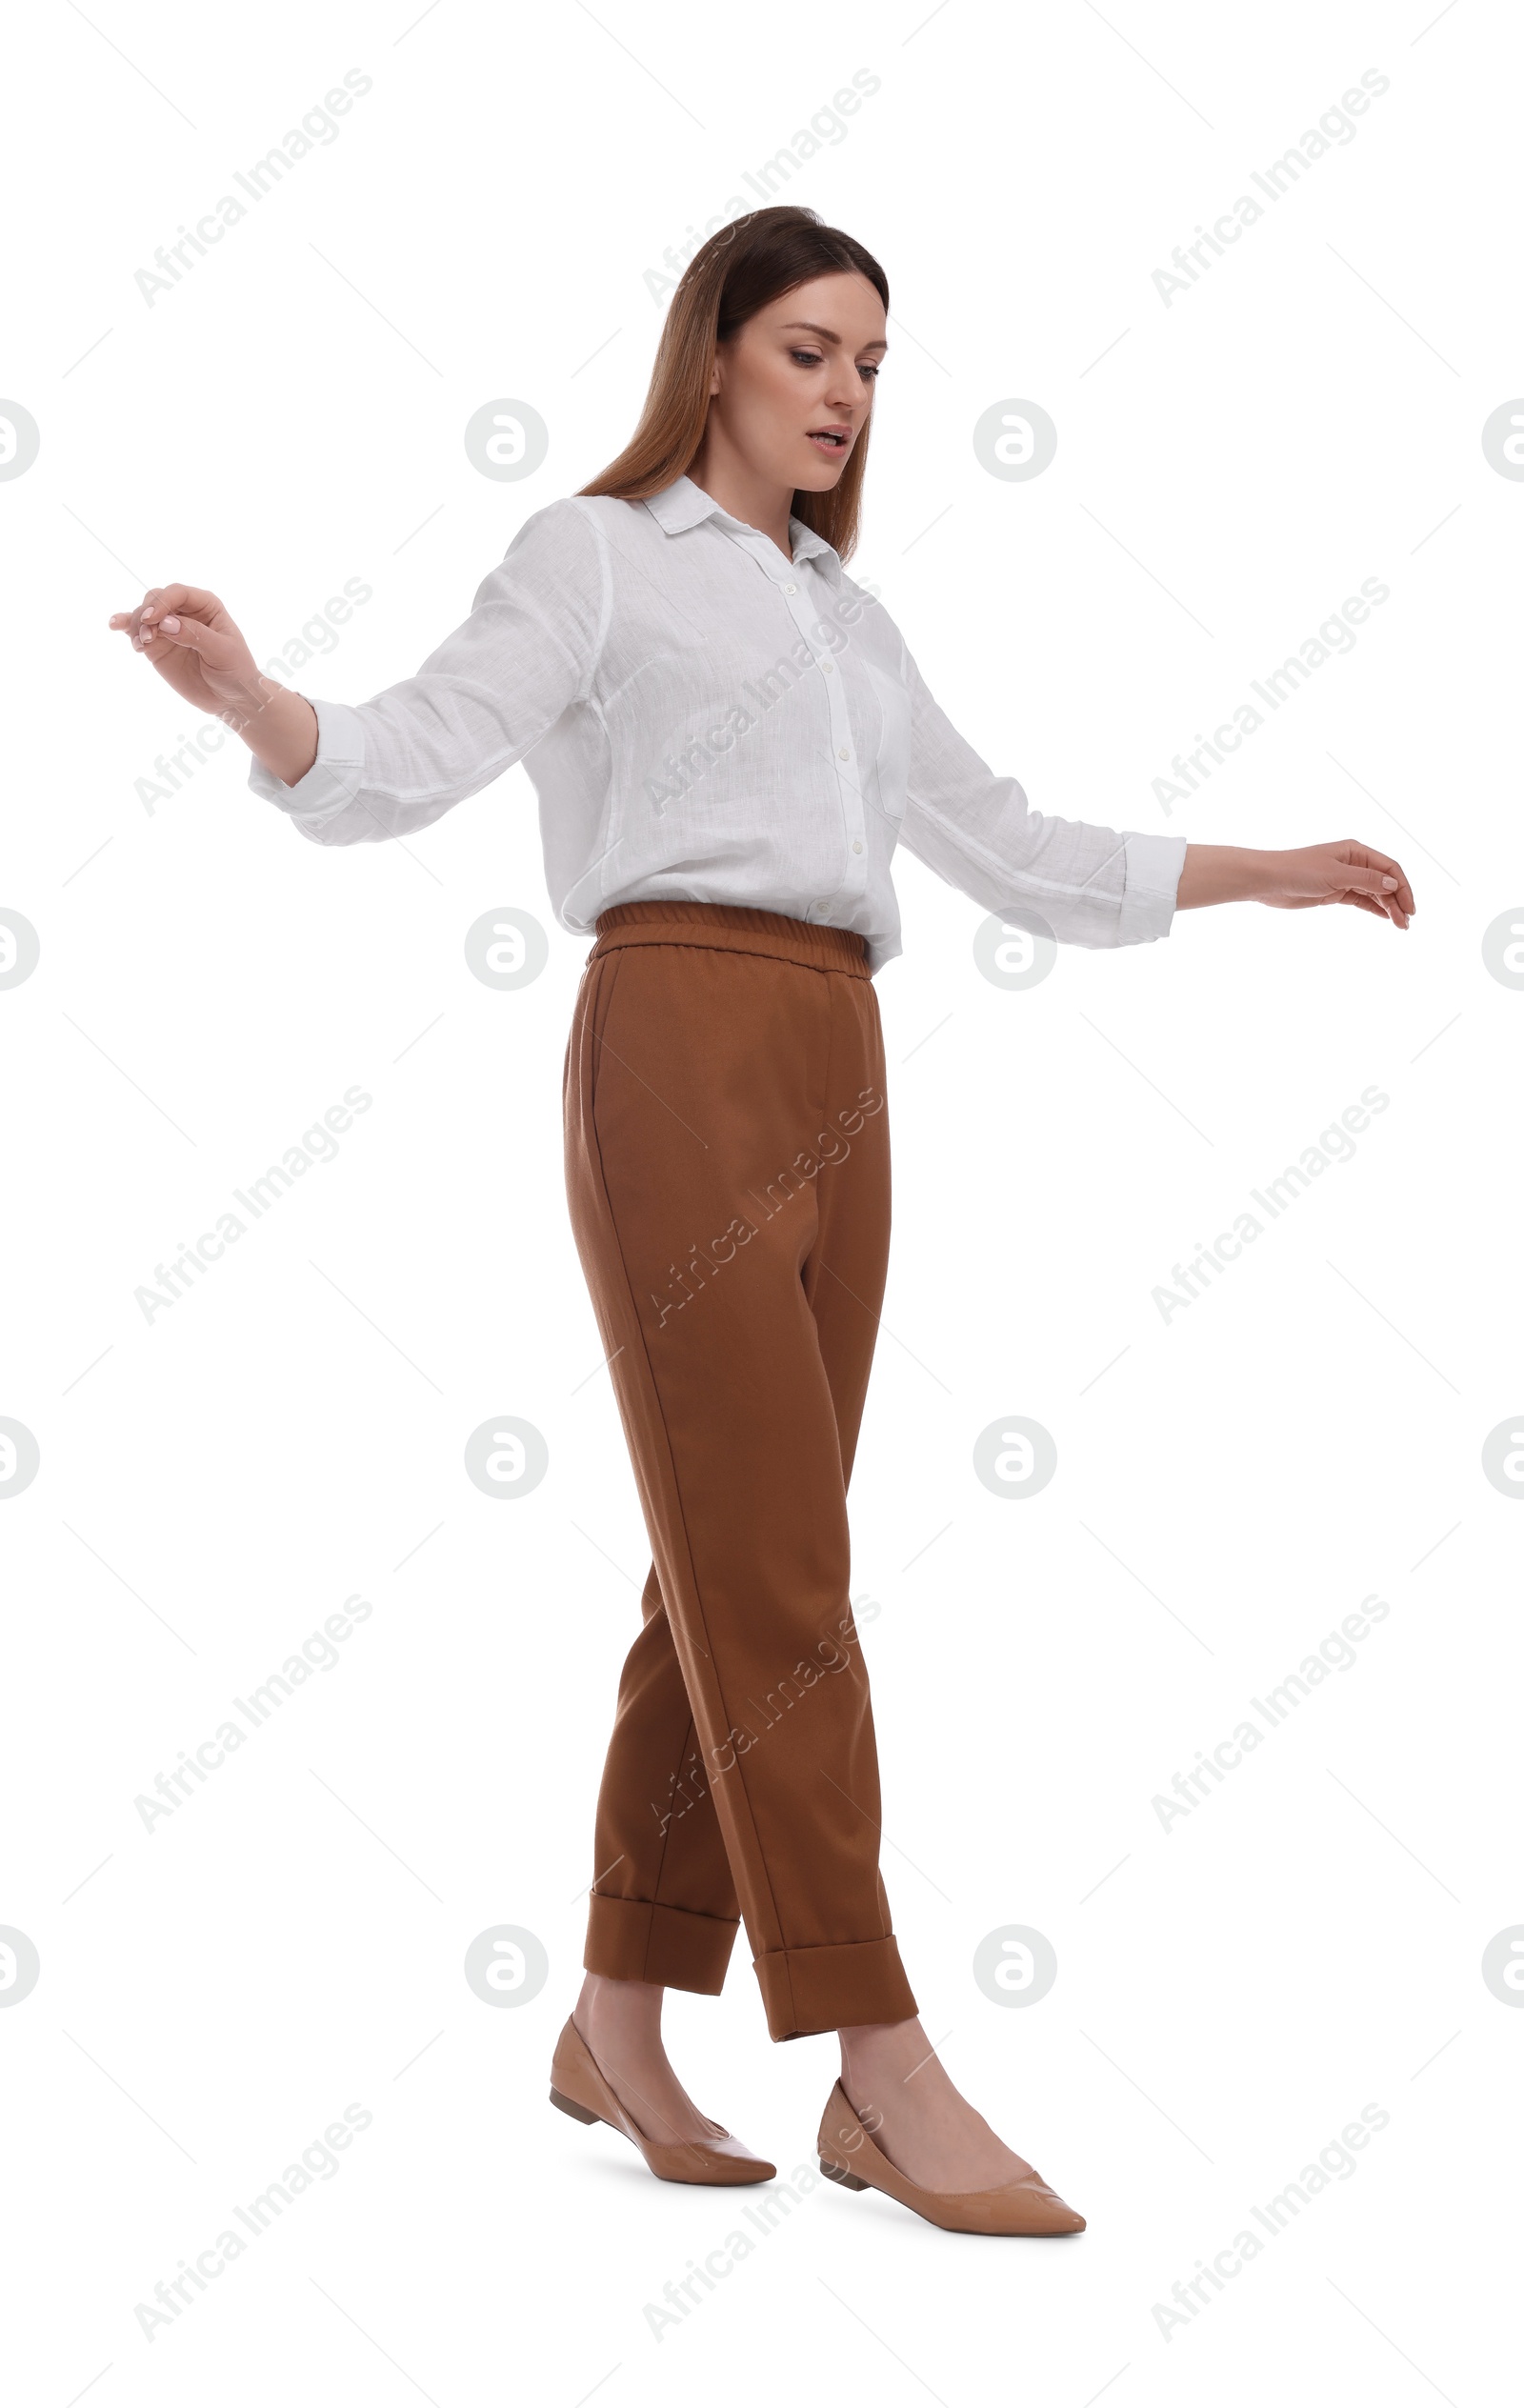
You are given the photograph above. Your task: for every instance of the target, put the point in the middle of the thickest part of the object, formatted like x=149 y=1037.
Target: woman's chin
x=819 y=473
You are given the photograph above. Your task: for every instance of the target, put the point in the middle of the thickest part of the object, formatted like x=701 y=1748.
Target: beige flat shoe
x=847 y=2155
x=579 y=2090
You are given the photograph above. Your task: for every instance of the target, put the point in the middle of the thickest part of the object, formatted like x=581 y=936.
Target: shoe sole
x=856 y=2183
x=569 y=2107
x=839 y=2174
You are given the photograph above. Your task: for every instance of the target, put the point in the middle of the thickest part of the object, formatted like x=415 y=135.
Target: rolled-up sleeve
x=480 y=701
x=1091 y=884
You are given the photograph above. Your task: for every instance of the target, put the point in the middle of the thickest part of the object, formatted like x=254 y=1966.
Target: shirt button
x=828 y=666
x=791 y=588
x=856 y=844
x=843 y=752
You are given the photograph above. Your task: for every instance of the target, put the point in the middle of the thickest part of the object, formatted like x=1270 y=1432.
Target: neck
x=755 y=499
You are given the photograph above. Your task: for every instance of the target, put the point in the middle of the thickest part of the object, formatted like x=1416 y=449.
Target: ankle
x=882 y=2052
x=631 y=2009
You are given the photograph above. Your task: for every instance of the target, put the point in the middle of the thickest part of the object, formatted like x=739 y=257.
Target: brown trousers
x=728 y=1172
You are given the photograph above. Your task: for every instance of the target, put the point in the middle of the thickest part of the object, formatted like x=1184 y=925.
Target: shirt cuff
x=1153 y=870
x=335 y=778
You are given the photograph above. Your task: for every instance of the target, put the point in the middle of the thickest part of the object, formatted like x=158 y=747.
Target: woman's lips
x=830 y=439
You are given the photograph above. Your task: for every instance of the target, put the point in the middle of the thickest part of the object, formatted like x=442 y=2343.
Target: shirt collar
x=684 y=504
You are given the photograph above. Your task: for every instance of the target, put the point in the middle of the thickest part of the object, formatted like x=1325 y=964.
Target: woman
x=728 y=737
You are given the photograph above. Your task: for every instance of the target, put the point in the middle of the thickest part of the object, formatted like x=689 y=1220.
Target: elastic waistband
x=740 y=928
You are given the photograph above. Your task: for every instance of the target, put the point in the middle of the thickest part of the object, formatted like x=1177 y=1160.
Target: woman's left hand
x=1294 y=882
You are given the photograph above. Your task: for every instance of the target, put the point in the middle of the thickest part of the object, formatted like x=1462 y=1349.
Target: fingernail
x=1386 y=882
x=172 y=627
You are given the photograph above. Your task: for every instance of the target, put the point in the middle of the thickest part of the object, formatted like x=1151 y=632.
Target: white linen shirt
x=703 y=718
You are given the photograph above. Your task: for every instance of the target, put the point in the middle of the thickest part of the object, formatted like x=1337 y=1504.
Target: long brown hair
x=739 y=271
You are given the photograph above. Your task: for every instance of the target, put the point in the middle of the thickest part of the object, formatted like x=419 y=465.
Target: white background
x=1231 y=1483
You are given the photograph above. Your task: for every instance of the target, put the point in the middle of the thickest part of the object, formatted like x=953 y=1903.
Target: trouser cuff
x=632 y=1940
x=820 y=1989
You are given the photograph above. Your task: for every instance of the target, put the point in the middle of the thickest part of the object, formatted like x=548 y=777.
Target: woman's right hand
x=195 y=647
x=199 y=650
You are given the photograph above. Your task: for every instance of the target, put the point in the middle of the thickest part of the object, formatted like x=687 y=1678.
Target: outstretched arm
x=1103 y=886
x=353 y=773
x=1348 y=873
x=1091 y=884
x=197 y=649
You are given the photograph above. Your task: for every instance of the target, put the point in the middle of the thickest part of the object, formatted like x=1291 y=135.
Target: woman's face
x=792 y=388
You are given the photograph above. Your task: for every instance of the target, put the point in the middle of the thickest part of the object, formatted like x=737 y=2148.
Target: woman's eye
x=868 y=369
x=806 y=359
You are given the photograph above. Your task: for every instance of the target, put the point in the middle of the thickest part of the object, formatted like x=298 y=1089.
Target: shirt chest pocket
x=892 y=753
